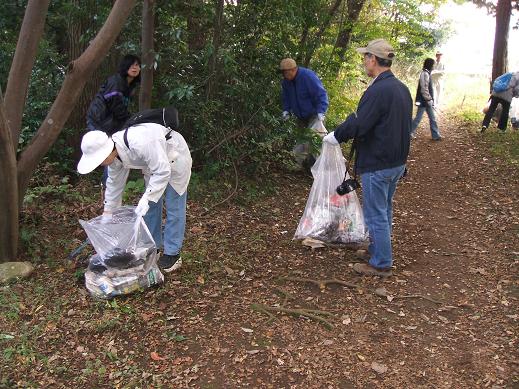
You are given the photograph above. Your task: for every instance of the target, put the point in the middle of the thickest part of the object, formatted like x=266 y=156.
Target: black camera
x=347 y=186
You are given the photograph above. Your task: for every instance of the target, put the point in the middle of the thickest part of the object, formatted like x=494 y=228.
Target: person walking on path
x=425 y=101
x=437 y=75
x=304 y=96
x=504 y=99
x=164 y=158
x=381 y=130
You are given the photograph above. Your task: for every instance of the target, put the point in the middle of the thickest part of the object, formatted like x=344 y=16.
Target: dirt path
x=456 y=240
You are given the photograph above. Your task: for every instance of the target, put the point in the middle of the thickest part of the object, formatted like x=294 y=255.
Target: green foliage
x=133 y=189
x=235 y=104
x=505 y=145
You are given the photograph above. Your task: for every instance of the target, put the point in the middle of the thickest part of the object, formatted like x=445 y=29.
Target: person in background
x=164 y=158
x=425 y=101
x=437 y=75
x=304 y=96
x=109 y=109
x=504 y=99
x=381 y=132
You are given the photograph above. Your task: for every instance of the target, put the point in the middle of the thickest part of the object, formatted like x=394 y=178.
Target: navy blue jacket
x=109 y=109
x=305 y=95
x=381 y=125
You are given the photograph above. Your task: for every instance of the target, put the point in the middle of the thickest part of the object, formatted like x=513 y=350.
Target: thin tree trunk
x=213 y=60
x=196 y=30
x=21 y=67
x=344 y=37
x=9 y=192
x=500 y=58
x=331 y=14
x=79 y=72
x=148 y=57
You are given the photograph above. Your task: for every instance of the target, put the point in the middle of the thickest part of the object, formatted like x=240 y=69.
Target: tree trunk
x=9 y=193
x=213 y=59
x=344 y=37
x=196 y=30
x=317 y=40
x=21 y=67
x=79 y=71
x=148 y=56
x=500 y=58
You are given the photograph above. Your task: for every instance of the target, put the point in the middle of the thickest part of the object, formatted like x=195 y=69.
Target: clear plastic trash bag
x=126 y=255
x=329 y=217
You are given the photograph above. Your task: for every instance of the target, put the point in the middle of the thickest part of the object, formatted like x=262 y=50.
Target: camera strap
x=351 y=157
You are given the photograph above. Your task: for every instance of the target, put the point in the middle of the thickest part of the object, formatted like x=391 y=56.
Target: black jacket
x=381 y=125
x=109 y=109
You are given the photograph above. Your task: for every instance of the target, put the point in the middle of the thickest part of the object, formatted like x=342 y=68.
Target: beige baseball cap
x=287 y=64
x=379 y=47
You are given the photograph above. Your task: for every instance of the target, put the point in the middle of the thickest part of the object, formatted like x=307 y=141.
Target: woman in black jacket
x=109 y=109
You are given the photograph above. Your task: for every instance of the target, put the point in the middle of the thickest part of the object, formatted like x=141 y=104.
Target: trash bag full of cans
x=126 y=255
x=328 y=216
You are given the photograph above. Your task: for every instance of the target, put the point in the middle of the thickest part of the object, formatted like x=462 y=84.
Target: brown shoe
x=368 y=270
x=363 y=255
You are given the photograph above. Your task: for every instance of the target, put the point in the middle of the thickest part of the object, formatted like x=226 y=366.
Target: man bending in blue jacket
x=304 y=96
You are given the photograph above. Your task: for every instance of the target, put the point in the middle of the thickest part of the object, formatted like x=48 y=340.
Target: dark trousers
x=503 y=120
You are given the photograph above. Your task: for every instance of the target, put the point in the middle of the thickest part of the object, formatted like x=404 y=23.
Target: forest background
x=216 y=61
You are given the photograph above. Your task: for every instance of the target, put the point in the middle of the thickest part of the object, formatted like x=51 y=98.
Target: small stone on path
x=10 y=271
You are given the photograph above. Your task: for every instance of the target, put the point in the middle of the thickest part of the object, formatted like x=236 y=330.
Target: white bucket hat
x=96 y=147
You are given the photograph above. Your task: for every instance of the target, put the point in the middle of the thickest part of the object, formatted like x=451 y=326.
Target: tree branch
x=21 y=67
x=79 y=72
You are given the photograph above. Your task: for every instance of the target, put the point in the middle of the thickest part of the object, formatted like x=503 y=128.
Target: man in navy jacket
x=304 y=96
x=381 y=128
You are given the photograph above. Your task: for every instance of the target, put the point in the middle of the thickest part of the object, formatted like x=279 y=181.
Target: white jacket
x=161 y=162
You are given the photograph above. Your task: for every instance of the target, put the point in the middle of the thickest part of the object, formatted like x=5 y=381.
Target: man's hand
x=331 y=139
x=430 y=103
x=320 y=117
x=285 y=115
x=143 y=206
x=106 y=217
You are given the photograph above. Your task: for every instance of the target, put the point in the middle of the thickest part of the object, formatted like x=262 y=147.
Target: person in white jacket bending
x=164 y=158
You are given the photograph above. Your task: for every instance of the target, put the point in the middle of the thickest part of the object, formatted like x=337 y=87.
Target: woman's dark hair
x=428 y=64
x=125 y=64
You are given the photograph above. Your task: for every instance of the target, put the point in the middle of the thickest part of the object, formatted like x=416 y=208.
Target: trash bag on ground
x=329 y=217
x=126 y=255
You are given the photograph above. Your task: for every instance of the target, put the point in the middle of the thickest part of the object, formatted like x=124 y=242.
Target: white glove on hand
x=143 y=206
x=106 y=217
x=331 y=139
x=285 y=116
x=320 y=117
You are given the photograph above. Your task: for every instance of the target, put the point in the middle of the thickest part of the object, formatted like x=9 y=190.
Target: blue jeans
x=378 y=188
x=435 y=132
x=175 y=226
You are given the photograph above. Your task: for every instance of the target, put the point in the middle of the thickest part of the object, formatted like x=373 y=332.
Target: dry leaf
x=247 y=330
x=200 y=280
x=379 y=367
x=156 y=357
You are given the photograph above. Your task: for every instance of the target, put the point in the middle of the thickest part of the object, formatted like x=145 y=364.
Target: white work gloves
x=143 y=206
x=320 y=117
x=106 y=217
x=285 y=115
x=331 y=139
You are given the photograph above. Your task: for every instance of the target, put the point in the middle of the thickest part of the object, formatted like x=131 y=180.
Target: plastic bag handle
x=136 y=226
